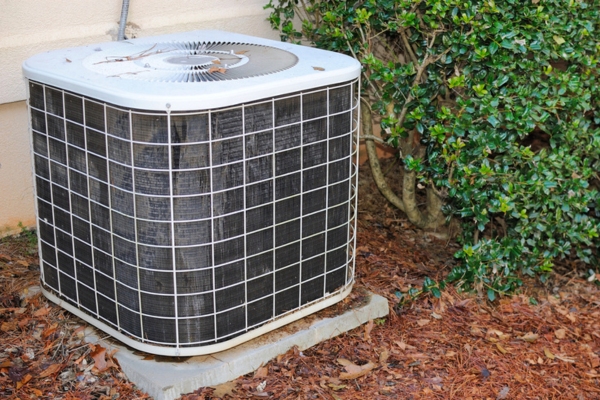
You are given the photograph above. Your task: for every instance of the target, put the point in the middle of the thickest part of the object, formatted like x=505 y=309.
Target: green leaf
x=493 y=47
x=558 y=39
x=491 y=294
x=493 y=121
x=507 y=44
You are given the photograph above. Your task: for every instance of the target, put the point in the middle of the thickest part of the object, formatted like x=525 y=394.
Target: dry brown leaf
x=262 y=372
x=529 y=337
x=501 y=349
x=319 y=68
x=423 y=322
x=418 y=356
x=450 y=354
x=468 y=348
x=540 y=360
x=548 y=354
x=217 y=69
x=476 y=331
x=403 y=346
x=336 y=387
x=368 y=328
x=23 y=323
x=8 y=326
x=99 y=356
x=560 y=333
x=356 y=371
x=224 y=389
x=23 y=381
x=51 y=370
x=383 y=357
x=240 y=52
x=217 y=61
x=41 y=312
x=565 y=358
x=344 y=362
x=50 y=330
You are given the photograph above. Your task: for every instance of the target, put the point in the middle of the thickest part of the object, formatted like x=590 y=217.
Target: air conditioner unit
x=194 y=190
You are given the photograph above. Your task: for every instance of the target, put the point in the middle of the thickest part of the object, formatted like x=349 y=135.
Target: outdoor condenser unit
x=194 y=190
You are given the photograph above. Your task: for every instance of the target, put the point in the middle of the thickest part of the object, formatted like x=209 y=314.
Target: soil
x=541 y=343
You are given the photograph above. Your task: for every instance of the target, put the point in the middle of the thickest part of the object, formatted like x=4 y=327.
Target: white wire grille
x=189 y=229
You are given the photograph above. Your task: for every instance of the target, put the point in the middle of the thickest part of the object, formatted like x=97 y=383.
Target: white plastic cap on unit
x=190 y=71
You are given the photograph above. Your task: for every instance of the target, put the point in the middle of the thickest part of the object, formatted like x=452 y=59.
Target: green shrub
x=494 y=110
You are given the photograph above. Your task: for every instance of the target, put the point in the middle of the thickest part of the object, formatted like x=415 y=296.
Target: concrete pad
x=167 y=378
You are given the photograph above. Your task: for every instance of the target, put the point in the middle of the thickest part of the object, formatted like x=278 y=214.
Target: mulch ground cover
x=542 y=343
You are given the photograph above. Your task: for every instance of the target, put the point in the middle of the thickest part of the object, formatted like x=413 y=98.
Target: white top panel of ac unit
x=189 y=71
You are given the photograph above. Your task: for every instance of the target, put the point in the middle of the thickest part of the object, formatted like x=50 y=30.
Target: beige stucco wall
x=28 y=27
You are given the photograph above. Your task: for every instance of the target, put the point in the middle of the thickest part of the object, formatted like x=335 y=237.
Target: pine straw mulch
x=456 y=347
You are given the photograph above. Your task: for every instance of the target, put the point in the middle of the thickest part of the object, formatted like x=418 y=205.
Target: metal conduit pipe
x=123 y=22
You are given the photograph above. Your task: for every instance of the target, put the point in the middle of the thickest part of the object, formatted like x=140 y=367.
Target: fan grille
x=188 y=229
x=190 y=61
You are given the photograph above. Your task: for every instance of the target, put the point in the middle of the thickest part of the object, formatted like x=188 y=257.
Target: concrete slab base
x=167 y=378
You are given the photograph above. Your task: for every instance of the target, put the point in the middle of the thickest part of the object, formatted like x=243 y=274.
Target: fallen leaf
x=23 y=381
x=529 y=337
x=262 y=372
x=217 y=69
x=224 y=389
x=50 y=330
x=41 y=312
x=560 y=333
x=336 y=387
x=565 y=358
x=401 y=344
x=436 y=316
x=356 y=371
x=423 y=322
x=8 y=326
x=475 y=331
x=434 y=381
x=368 y=328
x=548 y=354
x=319 y=68
x=344 y=362
x=501 y=349
x=216 y=61
x=240 y=52
x=468 y=348
x=383 y=356
x=99 y=356
x=449 y=354
x=51 y=370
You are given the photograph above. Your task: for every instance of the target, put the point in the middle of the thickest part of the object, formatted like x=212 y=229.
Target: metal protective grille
x=188 y=229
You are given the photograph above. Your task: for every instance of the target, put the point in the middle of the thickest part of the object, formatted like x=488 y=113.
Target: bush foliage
x=493 y=106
